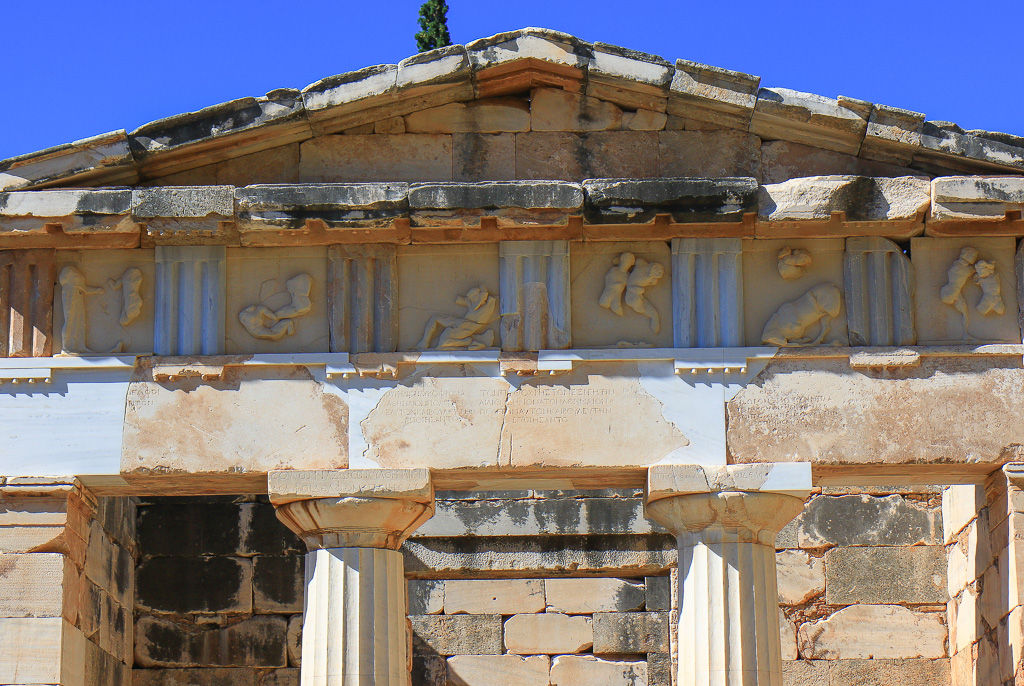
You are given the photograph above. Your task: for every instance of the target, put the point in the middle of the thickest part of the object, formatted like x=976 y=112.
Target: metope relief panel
x=448 y=297
x=104 y=302
x=966 y=290
x=793 y=292
x=277 y=300
x=621 y=295
x=26 y=303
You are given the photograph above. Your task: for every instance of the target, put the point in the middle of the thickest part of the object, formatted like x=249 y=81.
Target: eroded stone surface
x=874 y=631
x=548 y=633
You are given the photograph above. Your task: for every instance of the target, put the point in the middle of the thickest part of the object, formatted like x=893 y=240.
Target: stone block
x=970 y=198
x=785 y=160
x=893 y=135
x=686 y=201
x=659 y=669
x=879 y=672
x=511 y=203
x=24 y=539
x=194 y=677
x=572 y=156
x=269 y=209
x=290 y=485
x=864 y=520
x=190 y=530
x=483 y=157
x=429 y=670
x=493 y=596
x=810 y=119
x=658 y=593
x=33 y=584
x=493 y=115
x=426 y=597
x=259 y=641
x=295 y=640
x=669 y=480
x=103 y=159
x=620 y=554
x=548 y=633
x=630 y=632
x=587 y=596
x=946 y=146
x=33 y=649
x=644 y=120
x=707 y=292
x=516 y=61
x=558 y=110
x=381 y=158
x=874 y=631
x=195 y=584
x=278 y=677
x=973 y=275
x=532 y=517
x=497 y=670
x=859 y=198
x=628 y=78
x=801 y=577
x=805 y=673
x=262 y=533
x=960 y=504
x=277 y=583
x=885 y=575
x=787 y=637
x=713 y=95
x=709 y=154
x=457 y=634
x=587 y=670
x=108 y=565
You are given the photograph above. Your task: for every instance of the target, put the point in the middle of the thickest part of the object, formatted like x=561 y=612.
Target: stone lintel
x=786 y=478
x=286 y=485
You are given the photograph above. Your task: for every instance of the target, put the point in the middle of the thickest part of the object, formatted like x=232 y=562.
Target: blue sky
x=76 y=69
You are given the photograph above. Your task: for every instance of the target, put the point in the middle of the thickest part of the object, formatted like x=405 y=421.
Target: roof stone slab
x=517 y=63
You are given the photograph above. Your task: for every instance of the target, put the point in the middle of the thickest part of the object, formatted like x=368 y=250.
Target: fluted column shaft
x=728 y=590
x=353 y=627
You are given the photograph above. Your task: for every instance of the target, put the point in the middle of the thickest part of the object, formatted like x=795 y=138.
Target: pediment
x=527 y=104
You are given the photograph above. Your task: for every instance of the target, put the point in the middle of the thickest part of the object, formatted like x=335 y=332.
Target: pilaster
x=725 y=519
x=26 y=302
x=707 y=292
x=190 y=294
x=354 y=522
x=534 y=295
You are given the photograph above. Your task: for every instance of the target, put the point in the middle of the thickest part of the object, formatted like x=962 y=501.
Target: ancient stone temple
x=529 y=362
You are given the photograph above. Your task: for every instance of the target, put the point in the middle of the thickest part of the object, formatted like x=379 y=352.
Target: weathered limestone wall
x=67 y=578
x=539 y=587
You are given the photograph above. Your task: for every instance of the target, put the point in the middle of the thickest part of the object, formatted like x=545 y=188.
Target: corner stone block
x=26 y=302
x=707 y=292
x=534 y=295
x=362 y=297
x=879 y=284
x=190 y=300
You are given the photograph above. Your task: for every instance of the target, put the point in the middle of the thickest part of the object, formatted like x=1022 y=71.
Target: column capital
x=1014 y=472
x=756 y=500
x=352 y=508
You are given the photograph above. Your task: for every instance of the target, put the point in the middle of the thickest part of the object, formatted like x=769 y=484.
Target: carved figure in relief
x=131 y=301
x=263 y=322
x=469 y=331
x=73 y=292
x=957 y=276
x=793 y=262
x=789 y=325
x=627 y=281
x=991 y=292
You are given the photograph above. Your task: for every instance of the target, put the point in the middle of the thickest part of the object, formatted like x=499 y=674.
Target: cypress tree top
x=434 y=22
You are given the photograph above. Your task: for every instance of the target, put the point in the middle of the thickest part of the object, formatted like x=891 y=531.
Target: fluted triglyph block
x=26 y=303
x=707 y=292
x=728 y=590
x=879 y=283
x=353 y=629
x=362 y=297
x=190 y=295
x=534 y=295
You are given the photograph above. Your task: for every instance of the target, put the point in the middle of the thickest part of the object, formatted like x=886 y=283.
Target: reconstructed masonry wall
x=545 y=587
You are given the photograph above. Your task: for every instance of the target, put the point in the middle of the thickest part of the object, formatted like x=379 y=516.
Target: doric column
x=725 y=519
x=354 y=521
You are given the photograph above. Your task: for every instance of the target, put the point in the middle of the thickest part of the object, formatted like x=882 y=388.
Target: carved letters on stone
x=121 y=300
x=263 y=322
x=470 y=331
